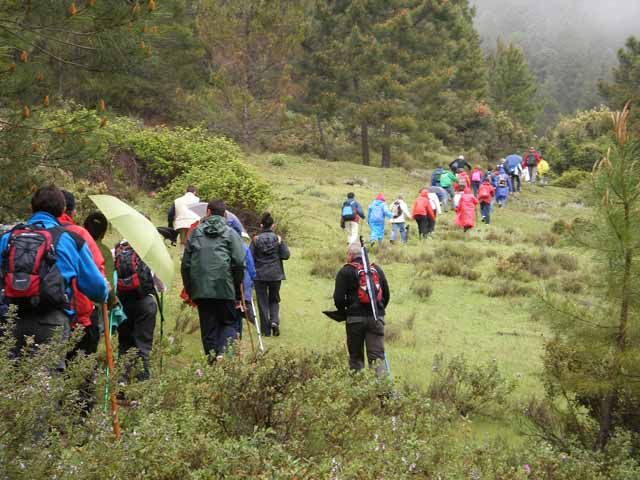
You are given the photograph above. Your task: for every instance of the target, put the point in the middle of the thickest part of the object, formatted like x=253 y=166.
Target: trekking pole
x=161 y=305
x=370 y=292
x=246 y=317
x=253 y=307
x=112 y=396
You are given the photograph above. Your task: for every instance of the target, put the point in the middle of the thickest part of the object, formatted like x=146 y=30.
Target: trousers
x=136 y=332
x=268 y=294
x=219 y=324
x=365 y=332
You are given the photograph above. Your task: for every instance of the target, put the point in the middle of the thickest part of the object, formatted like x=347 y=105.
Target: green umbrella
x=140 y=233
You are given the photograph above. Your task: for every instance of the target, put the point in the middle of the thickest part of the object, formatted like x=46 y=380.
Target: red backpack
x=134 y=276
x=30 y=276
x=363 y=296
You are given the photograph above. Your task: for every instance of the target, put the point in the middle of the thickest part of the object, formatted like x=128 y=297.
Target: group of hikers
x=462 y=186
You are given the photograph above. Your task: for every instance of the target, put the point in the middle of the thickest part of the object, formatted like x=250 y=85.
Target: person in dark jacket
x=212 y=270
x=362 y=329
x=435 y=176
x=459 y=163
x=74 y=264
x=268 y=252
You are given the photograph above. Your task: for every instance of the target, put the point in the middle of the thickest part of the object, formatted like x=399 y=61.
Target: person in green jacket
x=212 y=270
x=447 y=179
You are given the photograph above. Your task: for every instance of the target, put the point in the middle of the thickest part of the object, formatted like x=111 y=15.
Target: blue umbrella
x=512 y=161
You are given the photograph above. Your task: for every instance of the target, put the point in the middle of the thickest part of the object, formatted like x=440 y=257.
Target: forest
x=513 y=345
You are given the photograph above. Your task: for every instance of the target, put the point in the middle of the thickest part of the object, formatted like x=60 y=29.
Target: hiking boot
x=275 y=330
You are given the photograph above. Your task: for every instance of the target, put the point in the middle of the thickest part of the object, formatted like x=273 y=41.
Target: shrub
x=325 y=262
x=468 y=389
x=566 y=262
x=507 y=288
x=422 y=288
x=571 y=179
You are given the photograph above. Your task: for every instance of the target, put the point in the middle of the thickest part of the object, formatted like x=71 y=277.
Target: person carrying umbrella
x=513 y=166
x=212 y=271
x=181 y=217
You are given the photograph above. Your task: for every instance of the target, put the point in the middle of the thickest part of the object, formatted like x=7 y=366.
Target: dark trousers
x=137 y=330
x=88 y=345
x=426 y=225
x=268 y=294
x=365 y=332
x=219 y=323
x=515 y=179
x=485 y=211
x=475 y=186
x=42 y=326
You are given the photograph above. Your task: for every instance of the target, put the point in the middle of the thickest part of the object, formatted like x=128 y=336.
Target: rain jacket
x=435 y=176
x=213 y=261
x=462 y=177
x=404 y=211
x=422 y=205
x=377 y=227
x=249 y=273
x=447 y=179
x=543 y=167
x=74 y=261
x=526 y=160
x=466 y=210
x=268 y=252
x=502 y=192
x=476 y=175
x=80 y=303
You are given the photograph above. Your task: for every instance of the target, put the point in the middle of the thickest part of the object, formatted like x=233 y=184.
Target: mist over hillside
x=570 y=44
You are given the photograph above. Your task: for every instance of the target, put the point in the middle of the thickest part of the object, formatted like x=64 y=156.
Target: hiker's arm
x=283 y=250
x=237 y=261
x=386 y=294
x=185 y=268
x=171 y=215
x=90 y=280
x=360 y=210
x=251 y=266
x=340 y=292
x=387 y=212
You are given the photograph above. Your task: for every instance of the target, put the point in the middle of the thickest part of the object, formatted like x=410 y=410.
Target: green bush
x=571 y=179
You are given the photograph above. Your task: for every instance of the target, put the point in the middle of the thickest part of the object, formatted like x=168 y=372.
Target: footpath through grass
x=455 y=294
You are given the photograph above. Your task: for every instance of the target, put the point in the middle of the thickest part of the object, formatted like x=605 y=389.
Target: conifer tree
x=593 y=360
x=626 y=80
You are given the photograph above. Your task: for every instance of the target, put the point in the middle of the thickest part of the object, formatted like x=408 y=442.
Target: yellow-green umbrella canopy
x=141 y=234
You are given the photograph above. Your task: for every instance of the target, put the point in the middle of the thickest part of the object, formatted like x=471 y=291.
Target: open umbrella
x=140 y=233
x=511 y=162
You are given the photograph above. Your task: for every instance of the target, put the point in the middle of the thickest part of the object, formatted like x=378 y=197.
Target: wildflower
x=527 y=469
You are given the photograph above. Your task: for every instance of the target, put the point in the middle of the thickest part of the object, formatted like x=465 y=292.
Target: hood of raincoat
x=214 y=226
x=424 y=193
x=380 y=197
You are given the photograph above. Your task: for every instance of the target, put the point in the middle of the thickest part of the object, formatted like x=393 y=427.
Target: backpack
x=134 y=276
x=363 y=296
x=30 y=276
x=396 y=211
x=348 y=212
x=476 y=176
x=531 y=160
x=502 y=181
x=462 y=182
x=377 y=214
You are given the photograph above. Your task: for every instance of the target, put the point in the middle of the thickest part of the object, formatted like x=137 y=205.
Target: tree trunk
x=323 y=140
x=364 y=134
x=386 y=146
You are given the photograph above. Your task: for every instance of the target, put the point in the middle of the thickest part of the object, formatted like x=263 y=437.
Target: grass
x=431 y=311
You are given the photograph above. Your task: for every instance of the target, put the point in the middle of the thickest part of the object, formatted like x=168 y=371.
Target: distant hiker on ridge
x=458 y=163
x=376 y=215
x=350 y=217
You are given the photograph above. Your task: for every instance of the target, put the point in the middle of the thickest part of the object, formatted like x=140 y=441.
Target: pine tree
x=250 y=48
x=593 y=361
x=513 y=87
x=626 y=80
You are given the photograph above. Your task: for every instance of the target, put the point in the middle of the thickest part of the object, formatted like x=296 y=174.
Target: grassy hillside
x=480 y=318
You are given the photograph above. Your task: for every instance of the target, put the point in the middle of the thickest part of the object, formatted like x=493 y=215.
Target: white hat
x=461 y=157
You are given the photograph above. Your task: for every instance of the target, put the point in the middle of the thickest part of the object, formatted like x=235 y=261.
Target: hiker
x=97 y=224
x=43 y=299
x=351 y=214
x=502 y=184
x=486 y=192
x=530 y=161
x=435 y=202
x=513 y=166
x=212 y=270
x=137 y=288
x=351 y=299
x=442 y=196
x=247 y=280
x=269 y=251
x=543 y=169
x=378 y=211
x=180 y=217
x=423 y=214
x=400 y=213
x=476 y=179
x=447 y=179
x=81 y=304
x=435 y=176
x=466 y=210
x=462 y=181
x=459 y=163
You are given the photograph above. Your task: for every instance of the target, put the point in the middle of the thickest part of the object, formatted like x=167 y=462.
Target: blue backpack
x=348 y=212
x=377 y=214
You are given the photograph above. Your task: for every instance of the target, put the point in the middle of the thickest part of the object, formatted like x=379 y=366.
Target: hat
x=460 y=157
x=380 y=197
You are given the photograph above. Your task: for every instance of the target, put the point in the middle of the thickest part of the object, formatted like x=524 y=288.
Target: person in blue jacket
x=378 y=211
x=74 y=263
x=435 y=176
x=502 y=184
x=249 y=277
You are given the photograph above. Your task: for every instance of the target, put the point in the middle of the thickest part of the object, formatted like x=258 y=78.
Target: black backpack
x=30 y=276
x=134 y=276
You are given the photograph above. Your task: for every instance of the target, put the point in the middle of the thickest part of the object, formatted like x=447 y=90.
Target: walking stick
x=161 y=305
x=112 y=395
x=246 y=317
x=258 y=327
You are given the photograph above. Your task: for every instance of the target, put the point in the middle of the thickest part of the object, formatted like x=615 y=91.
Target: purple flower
x=527 y=469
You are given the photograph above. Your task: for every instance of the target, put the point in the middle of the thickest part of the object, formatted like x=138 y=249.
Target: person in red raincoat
x=466 y=210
